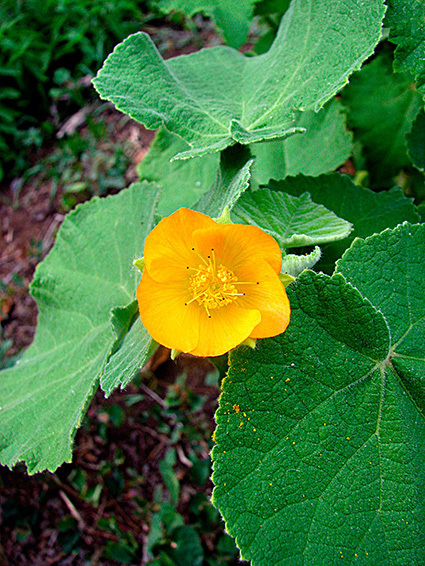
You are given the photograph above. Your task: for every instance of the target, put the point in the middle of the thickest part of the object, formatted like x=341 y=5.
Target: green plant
x=318 y=447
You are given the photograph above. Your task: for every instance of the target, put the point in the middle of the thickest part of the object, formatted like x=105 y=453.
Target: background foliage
x=47 y=50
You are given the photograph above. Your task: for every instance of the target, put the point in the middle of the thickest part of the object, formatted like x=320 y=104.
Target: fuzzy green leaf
x=381 y=108
x=324 y=146
x=368 y=212
x=320 y=431
x=218 y=96
x=88 y=273
x=406 y=21
x=231 y=181
x=182 y=181
x=131 y=350
x=292 y=221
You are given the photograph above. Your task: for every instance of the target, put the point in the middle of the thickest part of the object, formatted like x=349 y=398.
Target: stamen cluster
x=213 y=287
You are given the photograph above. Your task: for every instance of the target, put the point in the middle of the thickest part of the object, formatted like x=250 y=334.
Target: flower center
x=213 y=287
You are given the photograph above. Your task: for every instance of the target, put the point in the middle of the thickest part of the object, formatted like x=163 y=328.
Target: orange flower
x=207 y=287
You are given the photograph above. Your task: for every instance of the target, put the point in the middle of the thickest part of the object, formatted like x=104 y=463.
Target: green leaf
x=416 y=141
x=266 y=7
x=396 y=259
x=405 y=19
x=232 y=17
x=324 y=146
x=169 y=477
x=292 y=221
x=217 y=97
x=369 y=212
x=186 y=544
x=88 y=273
x=183 y=181
x=381 y=108
x=295 y=264
x=129 y=353
x=320 y=431
x=231 y=181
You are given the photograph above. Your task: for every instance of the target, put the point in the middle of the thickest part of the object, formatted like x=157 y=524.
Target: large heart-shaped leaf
x=88 y=273
x=320 y=438
x=218 y=96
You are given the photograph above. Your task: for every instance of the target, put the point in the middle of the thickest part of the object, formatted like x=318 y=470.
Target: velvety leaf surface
x=88 y=273
x=406 y=21
x=381 y=108
x=292 y=221
x=218 y=96
x=233 y=17
x=319 y=455
x=369 y=212
x=231 y=181
x=131 y=350
x=416 y=141
x=324 y=146
x=182 y=181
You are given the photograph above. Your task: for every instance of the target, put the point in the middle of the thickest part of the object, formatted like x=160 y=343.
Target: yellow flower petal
x=226 y=329
x=168 y=248
x=165 y=314
x=268 y=295
x=236 y=243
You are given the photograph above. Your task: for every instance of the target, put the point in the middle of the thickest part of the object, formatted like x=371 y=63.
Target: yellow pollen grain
x=286 y=380
x=236 y=408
